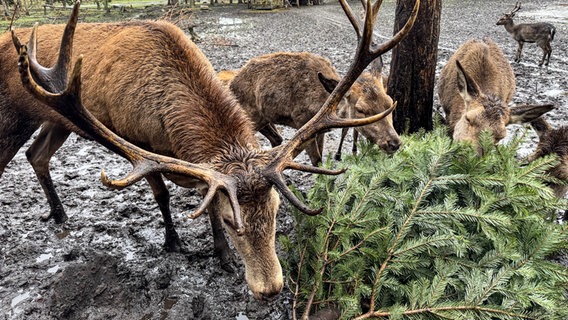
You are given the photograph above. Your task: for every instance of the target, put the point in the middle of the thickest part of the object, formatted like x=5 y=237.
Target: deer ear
x=541 y=126
x=328 y=83
x=526 y=113
x=467 y=87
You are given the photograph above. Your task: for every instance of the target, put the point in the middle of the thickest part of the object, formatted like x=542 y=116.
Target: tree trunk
x=413 y=66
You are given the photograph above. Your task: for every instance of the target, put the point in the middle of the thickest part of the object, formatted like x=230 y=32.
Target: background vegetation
x=432 y=232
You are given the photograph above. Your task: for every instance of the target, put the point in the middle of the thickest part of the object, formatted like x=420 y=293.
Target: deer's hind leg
x=15 y=130
x=48 y=141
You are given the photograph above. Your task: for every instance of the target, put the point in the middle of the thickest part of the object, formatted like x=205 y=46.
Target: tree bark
x=413 y=66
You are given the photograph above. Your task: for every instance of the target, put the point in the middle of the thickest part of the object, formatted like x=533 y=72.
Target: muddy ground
x=107 y=261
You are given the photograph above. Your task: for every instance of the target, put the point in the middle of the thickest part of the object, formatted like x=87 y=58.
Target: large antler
x=52 y=87
x=327 y=117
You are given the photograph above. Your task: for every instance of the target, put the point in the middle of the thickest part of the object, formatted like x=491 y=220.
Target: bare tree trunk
x=413 y=66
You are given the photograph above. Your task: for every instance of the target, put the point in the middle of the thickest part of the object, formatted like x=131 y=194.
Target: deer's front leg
x=162 y=196
x=519 y=50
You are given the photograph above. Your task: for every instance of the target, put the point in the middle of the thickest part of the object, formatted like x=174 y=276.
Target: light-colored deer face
x=488 y=111
x=482 y=113
x=256 y=246
x=259 y=204
x=372 y=99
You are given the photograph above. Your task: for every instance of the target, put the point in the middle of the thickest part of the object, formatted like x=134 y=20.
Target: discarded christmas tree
x=432 y=232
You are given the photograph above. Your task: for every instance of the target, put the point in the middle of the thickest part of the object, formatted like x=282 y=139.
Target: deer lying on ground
x=147 y=86
x=475 y=89
x=289 y=88
x=542 y=33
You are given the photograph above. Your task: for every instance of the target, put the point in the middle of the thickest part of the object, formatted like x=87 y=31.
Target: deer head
x=488 y=111
x=507 y=18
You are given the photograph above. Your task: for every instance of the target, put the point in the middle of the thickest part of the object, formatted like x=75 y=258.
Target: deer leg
x=549 y=52
x=48 y=141
x=16 y=130
x=344 y=132
x=519 y=50
x=220 y=243
x=315 y=149
x=355 y=138
x=272 y=134
x=162 y=196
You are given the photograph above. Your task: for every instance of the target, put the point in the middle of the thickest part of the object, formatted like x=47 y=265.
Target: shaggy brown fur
x=151 y=85
x=475 y=88
x=553 y=141
x=285 y=88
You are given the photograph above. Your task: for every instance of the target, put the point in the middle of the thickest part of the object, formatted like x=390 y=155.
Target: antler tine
x=327 y=118
x=517 y=8
x=66 y=101
x=401 y=34
x=49 y=75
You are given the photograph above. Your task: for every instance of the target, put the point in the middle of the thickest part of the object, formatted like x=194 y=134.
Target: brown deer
x=541 y=32
x=553 y=141
x=475 y=88
x=289 y=88
x=148 y=87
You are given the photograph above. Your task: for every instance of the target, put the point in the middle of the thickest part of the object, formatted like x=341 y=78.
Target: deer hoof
x=58 y=215
x=173 y=242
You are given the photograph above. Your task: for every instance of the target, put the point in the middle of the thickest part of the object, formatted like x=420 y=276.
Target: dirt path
x=107 y=262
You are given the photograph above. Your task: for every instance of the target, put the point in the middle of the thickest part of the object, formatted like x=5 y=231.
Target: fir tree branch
x=394 y=245
x=434 y=310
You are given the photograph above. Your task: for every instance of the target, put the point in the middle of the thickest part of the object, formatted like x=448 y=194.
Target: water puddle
x=44 y=257
x=225 y=21
x=241 y=316
x=19 y=298
x=53 y=270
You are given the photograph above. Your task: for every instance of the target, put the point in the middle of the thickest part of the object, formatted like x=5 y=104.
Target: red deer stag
x=475 y=88
x=263 y=87
x=541 y=32
x=151 y=87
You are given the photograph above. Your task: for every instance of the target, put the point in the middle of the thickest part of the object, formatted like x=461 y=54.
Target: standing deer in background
x=475 y=88
x=542 y=33
x=289 y=88
x=147 y=85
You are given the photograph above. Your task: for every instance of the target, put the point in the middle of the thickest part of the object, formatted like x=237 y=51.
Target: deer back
x=282 y=88
x=490 y=72
x=149 y=84
x=290 y=88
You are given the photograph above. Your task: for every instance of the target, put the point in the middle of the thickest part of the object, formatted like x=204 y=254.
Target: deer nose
x=391 y=145
x=268 y=293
